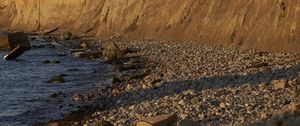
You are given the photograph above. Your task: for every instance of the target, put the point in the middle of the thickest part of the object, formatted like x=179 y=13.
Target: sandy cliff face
x=272 y=25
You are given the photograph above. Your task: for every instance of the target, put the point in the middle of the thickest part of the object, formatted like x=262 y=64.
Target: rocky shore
x=211 y=85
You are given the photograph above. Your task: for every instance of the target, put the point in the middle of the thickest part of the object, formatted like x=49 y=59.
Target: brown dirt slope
x=272 y=25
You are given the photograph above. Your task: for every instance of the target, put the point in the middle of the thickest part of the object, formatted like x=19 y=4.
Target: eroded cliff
x=272 y=25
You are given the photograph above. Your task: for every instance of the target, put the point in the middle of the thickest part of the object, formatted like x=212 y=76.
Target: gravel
x=214 y=85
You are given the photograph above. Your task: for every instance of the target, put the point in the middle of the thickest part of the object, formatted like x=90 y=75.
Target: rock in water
x=112 y=52
x=16 y=52
x=77 y=97
x=57 y=79
x=88 y=54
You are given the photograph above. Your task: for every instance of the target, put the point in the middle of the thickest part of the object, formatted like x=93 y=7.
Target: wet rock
x=115 y=80
x=161 y=120
x=88 y=54
x=16 y=52
x=56 y=94
x=46 y=61
x=84 y=45
x=12 y=40
x=91 y=95
x=112 y=52
x=17 y=43
x=61 y=54
x=56 y=62
x=31 y=38
x=129 y=87
x=77 y=97
x=189 y=92
x=66 y=36
x=279 y=84
x=57 y=79
x=71 y=51
x=47 y=37
x=73 y=70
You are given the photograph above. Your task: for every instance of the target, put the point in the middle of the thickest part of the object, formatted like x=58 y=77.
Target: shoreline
x=41 y=84
x=212 y=85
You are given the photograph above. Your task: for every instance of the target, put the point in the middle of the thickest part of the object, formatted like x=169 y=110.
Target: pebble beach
x=211 y=85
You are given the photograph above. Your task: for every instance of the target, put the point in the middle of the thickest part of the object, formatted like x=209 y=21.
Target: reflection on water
x=24 y=91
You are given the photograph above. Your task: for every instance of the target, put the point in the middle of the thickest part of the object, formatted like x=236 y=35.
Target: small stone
x=61 y=54
x=113 y=52
x=73 y=70
x=292 y=107
x=129 y=87
x=115 y=80
x=77 y=97
x=181 y=102
x=56 y=61
x=56 y=94
x=132 y=50
x=38 y=46
x=65 y=36
x=57 y=79
x=83 y=45
x=183 y=116
x=201 y=116
x=72 y=51
x=278 y=84
x=262 y=85
x=263 y=115
x=46 y=61
x=88 y=54
x=222 y=105
x=189 y=92
x=54 y=124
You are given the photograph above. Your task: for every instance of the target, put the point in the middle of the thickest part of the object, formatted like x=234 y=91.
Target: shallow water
x=24 y=91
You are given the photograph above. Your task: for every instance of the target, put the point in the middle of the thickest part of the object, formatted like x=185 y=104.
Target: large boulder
x=17 y=43
x=112 y=52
